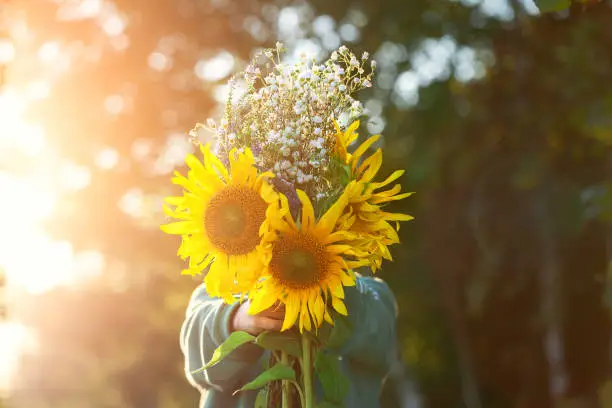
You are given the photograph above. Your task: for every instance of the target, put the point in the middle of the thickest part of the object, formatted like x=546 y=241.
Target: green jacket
x=365 y=359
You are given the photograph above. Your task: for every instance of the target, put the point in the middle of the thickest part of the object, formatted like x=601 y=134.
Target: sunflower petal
x=263 y=300
x=174 y=200
x=319 y=309
x=337 y=290
x=267 y=193
x=362 y=149
x=339 y=236
x=391 y=198
x=339 y=305
x=308 y=217
x=328 y=221
x=214 y=162
x=284 y=207
x=397 y=216
x=328 y=317
x=340 y=249
x=370 y=167
x=305 y=321
x=394 y=176
x=346 y=279
x=292 y=308
x=181 y=227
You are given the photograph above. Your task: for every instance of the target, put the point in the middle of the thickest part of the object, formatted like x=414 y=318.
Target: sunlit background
x=500 y=115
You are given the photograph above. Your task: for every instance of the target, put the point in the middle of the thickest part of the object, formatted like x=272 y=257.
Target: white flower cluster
x=287 y=116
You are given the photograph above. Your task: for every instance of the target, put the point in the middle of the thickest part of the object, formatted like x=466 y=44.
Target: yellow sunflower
x=364 y=214
x=306 y=266
x=371 y=225
x=221 y=215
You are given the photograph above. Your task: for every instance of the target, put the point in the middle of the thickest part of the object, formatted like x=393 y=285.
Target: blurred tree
x=500 y=116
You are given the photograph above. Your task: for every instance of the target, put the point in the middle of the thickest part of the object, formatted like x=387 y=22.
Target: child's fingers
x=277 y=311
x=265 y=323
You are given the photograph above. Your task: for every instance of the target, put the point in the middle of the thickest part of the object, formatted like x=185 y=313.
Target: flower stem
x=285 y=384
x=307 y=372
x=299 y=390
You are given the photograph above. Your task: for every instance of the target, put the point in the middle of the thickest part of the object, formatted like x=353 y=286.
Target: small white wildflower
x=285 y=151
x=231 y=136
x=342 y=49
x=273 y=136
x=317 y=119
x=365 y=55
x=334 y=56
x=317 y=131
x=316 y=143
x=315 y=164
x=373 y=64
x=367 y=83
x=342 y=88
x=279 y=45
x=296 y=155
x=354 y=62
x=356 y=80
x=320 y=196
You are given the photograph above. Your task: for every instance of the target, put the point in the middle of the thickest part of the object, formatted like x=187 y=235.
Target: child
x=366 y=358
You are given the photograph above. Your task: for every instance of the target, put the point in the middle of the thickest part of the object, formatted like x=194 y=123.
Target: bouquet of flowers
x=283 y=208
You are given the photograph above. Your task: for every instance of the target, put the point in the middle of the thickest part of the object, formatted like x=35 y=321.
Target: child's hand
x=270 y=319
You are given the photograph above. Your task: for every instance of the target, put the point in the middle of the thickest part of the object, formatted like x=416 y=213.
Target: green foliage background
x=502 y=280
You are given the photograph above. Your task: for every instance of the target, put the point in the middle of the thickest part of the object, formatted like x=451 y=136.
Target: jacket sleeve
x=206 y=326
x=372 y=309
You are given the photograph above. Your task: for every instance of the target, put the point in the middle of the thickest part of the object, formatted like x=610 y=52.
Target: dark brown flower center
x=299 y=260
x=232 y=219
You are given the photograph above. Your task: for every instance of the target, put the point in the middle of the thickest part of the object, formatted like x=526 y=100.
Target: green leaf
x=261 y=401
x=548 y=6
x=279 y=372
x=235 y=340
x=288 y=342
x=340 y=333
x=335 y=384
